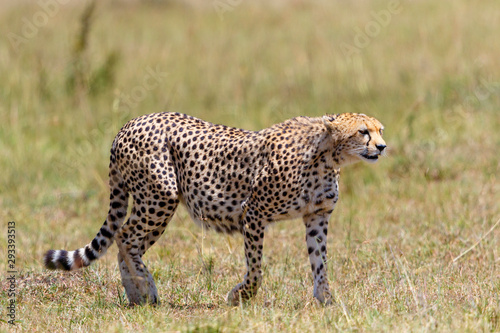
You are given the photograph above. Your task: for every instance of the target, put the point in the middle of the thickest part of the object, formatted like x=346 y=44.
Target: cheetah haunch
x=230 y=180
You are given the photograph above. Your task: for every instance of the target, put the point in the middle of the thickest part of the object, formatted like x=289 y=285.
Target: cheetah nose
x=381 y=147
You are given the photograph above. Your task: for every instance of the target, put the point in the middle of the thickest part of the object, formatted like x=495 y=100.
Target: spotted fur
x=230 y=180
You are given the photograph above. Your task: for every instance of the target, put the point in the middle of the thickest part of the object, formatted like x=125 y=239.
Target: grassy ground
x=430 y=72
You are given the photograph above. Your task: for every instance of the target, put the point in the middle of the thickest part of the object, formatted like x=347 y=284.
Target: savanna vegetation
x=72 y=73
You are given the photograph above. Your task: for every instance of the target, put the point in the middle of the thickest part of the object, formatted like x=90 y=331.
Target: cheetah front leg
x=316 y=231
x=253 y=234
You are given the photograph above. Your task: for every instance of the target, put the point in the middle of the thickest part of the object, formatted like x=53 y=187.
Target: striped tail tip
x=64 y=260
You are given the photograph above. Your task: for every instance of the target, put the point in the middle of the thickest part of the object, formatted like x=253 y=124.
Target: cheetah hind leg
x=138 y=282
x=133 y=240
x=133 y=293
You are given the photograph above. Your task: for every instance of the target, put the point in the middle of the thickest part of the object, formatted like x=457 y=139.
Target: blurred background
x=73 y=72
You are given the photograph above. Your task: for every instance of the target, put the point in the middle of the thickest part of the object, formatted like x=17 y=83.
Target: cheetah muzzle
x=230 y=180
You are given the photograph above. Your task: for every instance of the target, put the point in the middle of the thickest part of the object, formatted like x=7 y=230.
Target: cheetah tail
x=83 y=257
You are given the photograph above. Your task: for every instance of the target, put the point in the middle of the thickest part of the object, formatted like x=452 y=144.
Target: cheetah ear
x=328 y=120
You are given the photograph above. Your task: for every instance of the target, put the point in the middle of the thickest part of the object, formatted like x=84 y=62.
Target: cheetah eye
x=363 y=131
x=381 y=131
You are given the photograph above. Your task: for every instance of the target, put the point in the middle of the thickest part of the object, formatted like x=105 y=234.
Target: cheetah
x=230 y=180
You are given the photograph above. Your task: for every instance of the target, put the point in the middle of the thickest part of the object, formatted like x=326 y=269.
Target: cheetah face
x=370 y=144
x=358 y=136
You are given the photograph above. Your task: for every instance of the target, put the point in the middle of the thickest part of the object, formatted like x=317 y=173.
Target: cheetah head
x=357 y=137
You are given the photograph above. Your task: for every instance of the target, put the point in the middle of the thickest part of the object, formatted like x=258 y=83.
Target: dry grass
x=431 y=75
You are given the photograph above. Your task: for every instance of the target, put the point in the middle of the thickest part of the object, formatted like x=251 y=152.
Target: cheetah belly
x=221 y=215
x=214 y=197
x=303 y=203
